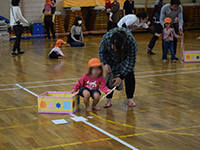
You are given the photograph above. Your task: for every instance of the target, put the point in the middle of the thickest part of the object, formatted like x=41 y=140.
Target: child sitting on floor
x=89 y=84
x=47 y=7
x=108 y=7
x=168 y=37
x=56 y=51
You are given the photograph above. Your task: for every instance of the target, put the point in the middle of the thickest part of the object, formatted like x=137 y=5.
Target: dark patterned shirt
x=119 y=64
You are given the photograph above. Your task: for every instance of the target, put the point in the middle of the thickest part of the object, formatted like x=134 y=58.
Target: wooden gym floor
x=167 y=115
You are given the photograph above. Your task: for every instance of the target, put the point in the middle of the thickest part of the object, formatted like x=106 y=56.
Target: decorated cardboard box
x=191 y=56
x=58 y=102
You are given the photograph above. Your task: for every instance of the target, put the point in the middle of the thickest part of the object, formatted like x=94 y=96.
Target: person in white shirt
x=133 y=22
x=16 y=22
x=56 y=51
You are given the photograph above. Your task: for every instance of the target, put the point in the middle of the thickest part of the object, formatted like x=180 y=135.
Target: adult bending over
x=155 y=16
x=173 y=10
x=117 y=51
x=76 y=33
x=133 y=22
x=16 y=20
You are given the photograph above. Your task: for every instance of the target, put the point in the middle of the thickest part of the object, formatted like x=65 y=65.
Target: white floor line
x=26 y=90
x=32 y=87
x=167 y=74
x=90 y=124
x=69 y=79
x=71 y=83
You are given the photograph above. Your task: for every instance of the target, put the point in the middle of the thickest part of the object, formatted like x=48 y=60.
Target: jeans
x=18 y=32
x=77 y=44
x=168 y=45
x=49 y=25
x=111 y=25
x=129 y=85
x=175 y=39
x=158 y=29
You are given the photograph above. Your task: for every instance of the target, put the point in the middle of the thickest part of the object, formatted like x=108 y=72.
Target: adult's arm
x=124 y=9
x=155 y=9
x=103 y=48
x=180 y=17
x=115 y=8
x=162 y=16
x=72 y=33
x=130 y=59
x=150 y=31
x=19 y=14
x=133 y=7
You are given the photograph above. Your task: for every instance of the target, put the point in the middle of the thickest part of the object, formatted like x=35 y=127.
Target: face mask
x=80 y=22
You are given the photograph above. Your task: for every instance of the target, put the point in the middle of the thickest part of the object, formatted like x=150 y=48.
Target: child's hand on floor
x=198 y=38
x=73 y=91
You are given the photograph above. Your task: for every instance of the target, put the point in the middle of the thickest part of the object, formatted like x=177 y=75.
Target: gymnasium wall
x=32 y=9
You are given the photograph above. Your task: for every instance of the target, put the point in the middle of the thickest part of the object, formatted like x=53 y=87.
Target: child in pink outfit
x=168 y=37
x=89 y=84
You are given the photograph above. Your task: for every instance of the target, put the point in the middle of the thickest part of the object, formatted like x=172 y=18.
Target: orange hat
x=48 y=1
x=167 y=20
x=59 y=43
x=94 y=62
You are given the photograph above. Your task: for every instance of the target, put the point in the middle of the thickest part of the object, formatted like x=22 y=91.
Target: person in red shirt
x=108 y=6
x=88 y=85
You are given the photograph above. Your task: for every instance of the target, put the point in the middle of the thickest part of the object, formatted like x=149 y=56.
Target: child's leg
x=111 y=14
x=86 y=95
x=96 y=97
x=165 y=49
x=171 y=48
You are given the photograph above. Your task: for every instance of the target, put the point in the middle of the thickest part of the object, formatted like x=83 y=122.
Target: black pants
x=129 y=85
x=111 y=25
x=54 y=55
x=18 y=32
x=49 y=25
x=158 y=29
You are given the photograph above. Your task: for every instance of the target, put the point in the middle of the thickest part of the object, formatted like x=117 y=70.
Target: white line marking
x=167 y=74
x=110 y=135
x=69 y=79
x=138 y=77
x=90 y=124
x=26 y=90
x=31 y=87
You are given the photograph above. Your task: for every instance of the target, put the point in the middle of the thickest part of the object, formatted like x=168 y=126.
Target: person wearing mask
x=75 y=38
x=16 y=23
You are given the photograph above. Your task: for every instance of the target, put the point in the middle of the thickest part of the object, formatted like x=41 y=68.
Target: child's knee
x=96 y=95
x=86 y=94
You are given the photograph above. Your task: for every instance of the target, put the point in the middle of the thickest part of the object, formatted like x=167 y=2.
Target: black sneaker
x=176 y=58
x=14 y=54
x=20 y=52
x=150 y=52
